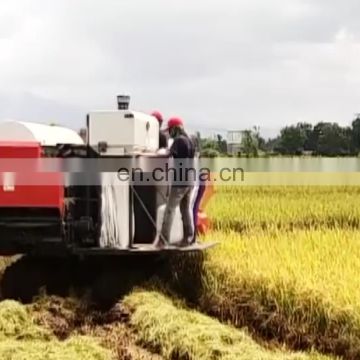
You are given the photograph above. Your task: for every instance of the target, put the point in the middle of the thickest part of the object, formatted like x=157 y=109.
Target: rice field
x=281 y=284
x=287 y=265
x=298 y=287
x=251 y=208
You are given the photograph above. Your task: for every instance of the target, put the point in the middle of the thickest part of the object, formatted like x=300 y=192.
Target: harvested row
x=21 y=338
x=146 y=318
x=176 y=333
x=244 y=209
x=75 y=348
x=66 y=318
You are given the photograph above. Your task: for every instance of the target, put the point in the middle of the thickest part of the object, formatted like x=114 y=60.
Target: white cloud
x=344 y=36
x=219 y=64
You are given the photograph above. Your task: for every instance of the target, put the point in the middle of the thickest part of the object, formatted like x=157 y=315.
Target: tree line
x=322 y=139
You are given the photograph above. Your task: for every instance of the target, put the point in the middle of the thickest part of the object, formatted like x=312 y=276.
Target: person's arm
x=175 y=149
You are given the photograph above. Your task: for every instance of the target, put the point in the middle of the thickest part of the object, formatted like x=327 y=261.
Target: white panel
x=114 y=212
x=46 y=135
x=123 y=131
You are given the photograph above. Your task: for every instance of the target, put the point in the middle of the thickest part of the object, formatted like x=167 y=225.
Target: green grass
x=177 y=333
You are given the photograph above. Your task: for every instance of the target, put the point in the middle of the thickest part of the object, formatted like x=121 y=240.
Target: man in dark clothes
x=163 y=138
x=183 y=152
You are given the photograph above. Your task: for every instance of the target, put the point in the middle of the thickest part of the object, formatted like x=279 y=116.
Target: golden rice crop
x=321 y=262
x=272 y=207
x=299 y=286
x=287 y=265
x=178 y=333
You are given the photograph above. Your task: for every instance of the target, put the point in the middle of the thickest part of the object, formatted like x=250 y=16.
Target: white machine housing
x=123 y=132
x=45 y=135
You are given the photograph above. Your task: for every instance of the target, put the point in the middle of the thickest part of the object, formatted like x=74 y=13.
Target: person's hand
x=163 y=152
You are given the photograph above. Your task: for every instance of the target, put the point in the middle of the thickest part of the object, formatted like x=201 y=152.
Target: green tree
x=355 y=136
x=261 y=142
x=273 y=145
x=307 y=130
x=218 y=145
x=332 y=139
x=249 y=143
x=292 y=139
x=221 y=144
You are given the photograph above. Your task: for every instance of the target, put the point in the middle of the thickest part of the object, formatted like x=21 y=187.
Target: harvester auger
x=76 y=209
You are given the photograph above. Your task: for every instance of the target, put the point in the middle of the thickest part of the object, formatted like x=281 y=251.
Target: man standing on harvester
x=182 y=151
x=163 y=138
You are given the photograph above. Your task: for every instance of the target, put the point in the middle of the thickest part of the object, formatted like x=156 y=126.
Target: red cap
x=175 y=121
x=158 y=115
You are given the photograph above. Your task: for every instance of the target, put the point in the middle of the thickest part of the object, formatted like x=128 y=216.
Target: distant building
x=234 y=140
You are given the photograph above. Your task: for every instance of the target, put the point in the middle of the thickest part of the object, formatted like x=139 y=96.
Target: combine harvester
x=56 y=216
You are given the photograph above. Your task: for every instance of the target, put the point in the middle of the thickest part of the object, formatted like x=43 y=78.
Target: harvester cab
x=61 y=195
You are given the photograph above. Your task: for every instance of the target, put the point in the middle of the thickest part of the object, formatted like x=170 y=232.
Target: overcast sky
x=219 y=64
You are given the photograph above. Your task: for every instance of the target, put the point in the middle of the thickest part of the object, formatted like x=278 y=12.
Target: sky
x=228 y=64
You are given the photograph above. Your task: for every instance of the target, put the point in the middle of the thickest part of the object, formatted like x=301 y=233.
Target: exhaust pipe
x=123 y=102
